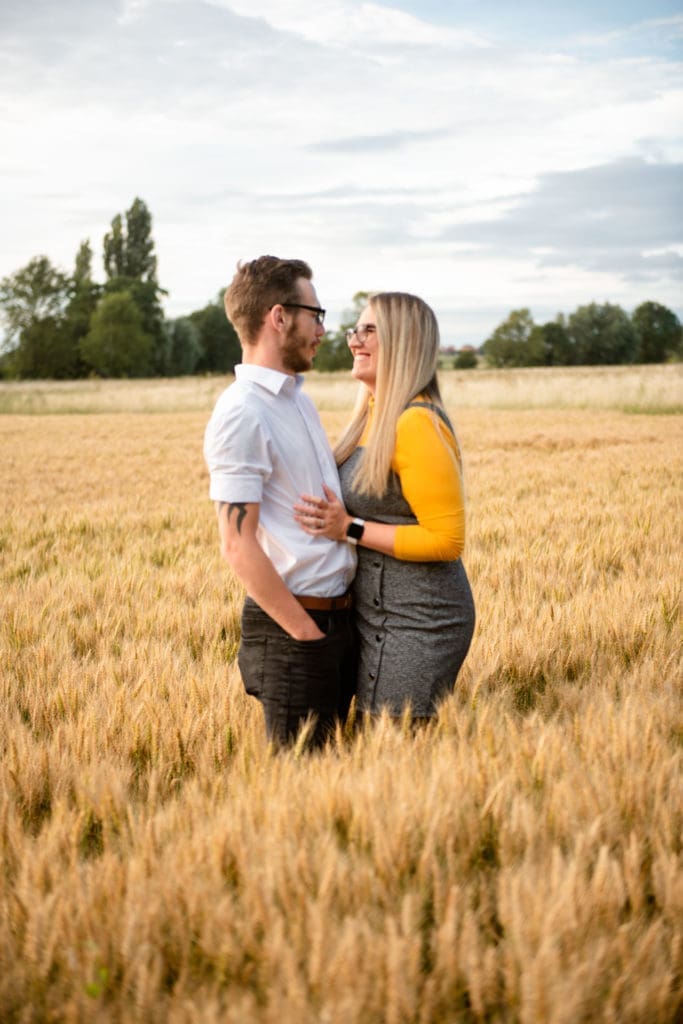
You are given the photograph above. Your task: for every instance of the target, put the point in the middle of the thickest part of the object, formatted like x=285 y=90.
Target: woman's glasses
x=361 y=331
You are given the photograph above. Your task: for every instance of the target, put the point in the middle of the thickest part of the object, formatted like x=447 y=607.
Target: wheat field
x=520 y=860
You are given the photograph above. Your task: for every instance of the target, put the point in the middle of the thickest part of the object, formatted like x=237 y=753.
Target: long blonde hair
x=407 y=359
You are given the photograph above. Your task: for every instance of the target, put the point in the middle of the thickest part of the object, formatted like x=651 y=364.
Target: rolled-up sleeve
x=237 y=455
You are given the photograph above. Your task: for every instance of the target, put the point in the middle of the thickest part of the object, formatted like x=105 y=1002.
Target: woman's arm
x=427 y=467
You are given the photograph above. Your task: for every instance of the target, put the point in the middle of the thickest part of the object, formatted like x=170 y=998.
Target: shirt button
x=376 y=565
x=378 y=638
x=371 y=675
x=375 y=601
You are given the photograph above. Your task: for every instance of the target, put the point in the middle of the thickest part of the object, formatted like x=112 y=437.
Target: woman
x=401 y=475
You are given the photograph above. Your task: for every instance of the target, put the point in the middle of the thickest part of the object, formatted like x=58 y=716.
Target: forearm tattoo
x=241 y=512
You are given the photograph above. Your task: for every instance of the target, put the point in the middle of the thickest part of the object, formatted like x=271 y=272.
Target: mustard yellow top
x=426 y=460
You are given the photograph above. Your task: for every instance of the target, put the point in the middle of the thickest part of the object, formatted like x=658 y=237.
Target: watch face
x=355 y=530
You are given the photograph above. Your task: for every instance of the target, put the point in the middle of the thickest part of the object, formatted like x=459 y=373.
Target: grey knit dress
x=415 y=619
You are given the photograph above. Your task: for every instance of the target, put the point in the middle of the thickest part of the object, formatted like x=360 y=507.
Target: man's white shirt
x=265 y=443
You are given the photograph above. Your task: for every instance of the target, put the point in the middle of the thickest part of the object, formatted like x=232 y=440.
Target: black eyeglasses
x=361 y=332
x=319 y=313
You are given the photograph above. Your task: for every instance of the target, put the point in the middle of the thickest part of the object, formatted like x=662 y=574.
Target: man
x=265 y=446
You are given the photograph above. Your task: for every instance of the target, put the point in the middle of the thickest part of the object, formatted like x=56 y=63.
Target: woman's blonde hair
x=407 y=358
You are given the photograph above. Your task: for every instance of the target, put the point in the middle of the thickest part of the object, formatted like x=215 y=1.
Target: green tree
x=334 y=352
x=83 y=264
x=31 y=294
x=116 y=344
x=33 y=302
x=131 y=266
x=146 y=295
x=552 y=343
x=45 y=352
x=85 y=295
x=114 y=250
x=658 y=331
x=602 y=334
x=220 y=347
x=513 y=343
x=465 y=359
x=184 y=347
x=140 y=262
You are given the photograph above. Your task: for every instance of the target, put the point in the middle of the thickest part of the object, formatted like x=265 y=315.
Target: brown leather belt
x=325 y=604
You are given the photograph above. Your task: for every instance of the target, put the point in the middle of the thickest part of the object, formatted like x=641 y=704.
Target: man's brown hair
x=257 y=287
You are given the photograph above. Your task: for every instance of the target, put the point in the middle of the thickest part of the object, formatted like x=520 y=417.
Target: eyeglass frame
x=366 y=329
x=319 y=312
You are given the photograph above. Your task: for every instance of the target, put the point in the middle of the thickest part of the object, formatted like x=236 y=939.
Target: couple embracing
x=350 y=560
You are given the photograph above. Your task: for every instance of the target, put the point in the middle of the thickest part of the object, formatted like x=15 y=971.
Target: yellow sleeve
x=427 y=463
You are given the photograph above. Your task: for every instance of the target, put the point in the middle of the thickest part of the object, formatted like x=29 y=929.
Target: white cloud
x=341 y=23
x=360 y=137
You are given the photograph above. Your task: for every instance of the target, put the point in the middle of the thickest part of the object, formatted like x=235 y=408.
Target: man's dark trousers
x=296 y=678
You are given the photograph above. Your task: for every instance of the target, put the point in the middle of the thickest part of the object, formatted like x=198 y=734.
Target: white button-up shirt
x=265 y=443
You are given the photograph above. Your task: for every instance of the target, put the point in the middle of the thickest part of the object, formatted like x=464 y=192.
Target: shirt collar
x=272 y=380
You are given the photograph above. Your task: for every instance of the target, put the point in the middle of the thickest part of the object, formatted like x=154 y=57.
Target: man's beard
x=295 y=357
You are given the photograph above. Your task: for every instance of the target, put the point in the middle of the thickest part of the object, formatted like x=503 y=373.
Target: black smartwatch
x=354 y=531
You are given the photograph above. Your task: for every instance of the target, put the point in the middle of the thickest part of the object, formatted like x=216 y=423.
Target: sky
x=483 y=154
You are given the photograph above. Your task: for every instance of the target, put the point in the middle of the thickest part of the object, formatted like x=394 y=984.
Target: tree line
x=63 y=326
x=593 y=335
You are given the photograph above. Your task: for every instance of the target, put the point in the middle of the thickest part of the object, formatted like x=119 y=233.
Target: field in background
x=642 y=389
x=519 y=861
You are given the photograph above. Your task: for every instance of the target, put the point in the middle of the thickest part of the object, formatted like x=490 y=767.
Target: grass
x=634 y=389
x=518 y=861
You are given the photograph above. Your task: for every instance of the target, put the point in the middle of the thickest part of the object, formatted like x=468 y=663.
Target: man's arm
x=237 y=525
